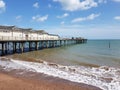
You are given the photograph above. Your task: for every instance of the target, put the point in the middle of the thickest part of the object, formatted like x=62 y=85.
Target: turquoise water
x=94 y=52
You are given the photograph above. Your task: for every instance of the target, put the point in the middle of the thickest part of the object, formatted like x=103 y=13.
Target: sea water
x=94 y=52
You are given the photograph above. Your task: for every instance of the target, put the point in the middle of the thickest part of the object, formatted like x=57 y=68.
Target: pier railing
x=7 y=38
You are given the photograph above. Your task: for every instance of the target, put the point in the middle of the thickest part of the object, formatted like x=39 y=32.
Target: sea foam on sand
x=104 y=77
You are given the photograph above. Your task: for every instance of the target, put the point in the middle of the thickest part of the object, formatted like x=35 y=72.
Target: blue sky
x=92 y=19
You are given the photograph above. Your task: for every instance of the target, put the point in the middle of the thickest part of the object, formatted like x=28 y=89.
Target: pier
x=21 y=46
x=18 y=40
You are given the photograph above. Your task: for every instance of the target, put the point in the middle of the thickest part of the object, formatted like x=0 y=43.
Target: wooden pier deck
x=11 y=45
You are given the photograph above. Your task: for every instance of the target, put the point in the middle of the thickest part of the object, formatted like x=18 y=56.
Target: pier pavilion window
x=26 y=36
x=6 y=31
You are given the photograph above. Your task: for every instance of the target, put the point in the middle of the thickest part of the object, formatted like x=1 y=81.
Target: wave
x=104 y=77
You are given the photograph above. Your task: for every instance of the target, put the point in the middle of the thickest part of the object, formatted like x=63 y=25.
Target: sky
x=91 y=19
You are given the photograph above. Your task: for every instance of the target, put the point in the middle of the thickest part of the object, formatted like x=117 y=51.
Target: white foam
x=106 y=78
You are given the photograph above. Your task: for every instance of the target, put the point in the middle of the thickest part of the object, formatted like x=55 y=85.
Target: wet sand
x=31 y=81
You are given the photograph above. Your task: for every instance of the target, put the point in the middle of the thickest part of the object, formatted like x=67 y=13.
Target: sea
x=96 y=63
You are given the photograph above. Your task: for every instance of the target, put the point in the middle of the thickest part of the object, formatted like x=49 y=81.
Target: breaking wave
x=104 y=77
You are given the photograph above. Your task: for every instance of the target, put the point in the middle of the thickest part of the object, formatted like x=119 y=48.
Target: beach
x=11 y=81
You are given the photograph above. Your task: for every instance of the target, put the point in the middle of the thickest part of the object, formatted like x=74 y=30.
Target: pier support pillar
x=47 y=44
x=14 y=47
x=36 y=45
x=19 y=46
x=60 y=43
x=50 y=43
x=2 y=52
x=65 y=43
x=53 y=43
x=22 y=47
x=42 y=44
x=29 y=46
x=56 y=43
x=6 y=48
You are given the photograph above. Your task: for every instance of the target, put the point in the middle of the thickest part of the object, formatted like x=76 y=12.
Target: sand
x=12 y=82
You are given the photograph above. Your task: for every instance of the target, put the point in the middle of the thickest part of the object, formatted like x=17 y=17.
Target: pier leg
x=50 y=44
x=47 y=44
x=54 y=44
x=6 y=48
x=22 y=47
x=60 y=42
x=42 y=44
x=29 y=46
x=36 y=45
x=19 y=46
x=14 y=47
x=64 y=42
x=2 y=52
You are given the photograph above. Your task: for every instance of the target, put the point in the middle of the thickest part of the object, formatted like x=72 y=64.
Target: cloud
x=73 y=5
x=36 y=5
x=90 y=17
x=117 y=18
x=39 y=18
x=18 y=18
x=63 y=16
x=2 y=6
x=116 y=0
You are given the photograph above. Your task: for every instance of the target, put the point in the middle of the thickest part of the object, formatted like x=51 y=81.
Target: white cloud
x=2 y=6
x=73 y=5
x=36 y=5
x=117 y=18
x=90 y=17
x=116 y=0
x=18 y=18
x=63 y=16
x=39 y=18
